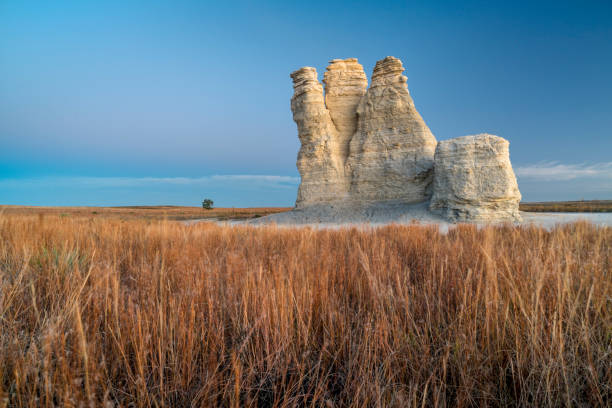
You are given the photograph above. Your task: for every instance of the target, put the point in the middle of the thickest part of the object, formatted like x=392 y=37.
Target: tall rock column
x=320 y=161
x=345 y=84
x=392 y=151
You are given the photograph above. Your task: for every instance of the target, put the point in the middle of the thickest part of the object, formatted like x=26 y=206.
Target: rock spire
x=319 y=160
x=391 y=154
x=345 y=84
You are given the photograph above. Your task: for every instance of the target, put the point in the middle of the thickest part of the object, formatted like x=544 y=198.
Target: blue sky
x=153 y=102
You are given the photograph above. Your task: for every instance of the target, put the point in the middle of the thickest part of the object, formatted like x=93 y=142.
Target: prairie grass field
x=182 y=213
x=568 y=206
x=144 y=212
x=102 y=311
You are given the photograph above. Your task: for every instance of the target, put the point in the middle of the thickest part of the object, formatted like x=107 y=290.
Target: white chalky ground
x=379 y=214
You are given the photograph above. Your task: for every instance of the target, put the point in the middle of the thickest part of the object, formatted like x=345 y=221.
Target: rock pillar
x=392 y=151
x=474 y=180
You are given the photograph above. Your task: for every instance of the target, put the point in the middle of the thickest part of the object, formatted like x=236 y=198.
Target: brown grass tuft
x=103 y=311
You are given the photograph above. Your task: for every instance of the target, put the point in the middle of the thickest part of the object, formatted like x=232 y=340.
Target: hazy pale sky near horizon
x=169 y=102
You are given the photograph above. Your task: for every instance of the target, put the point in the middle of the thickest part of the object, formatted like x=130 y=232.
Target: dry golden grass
x=139 y=313
x=568 y=206
x=158 y=212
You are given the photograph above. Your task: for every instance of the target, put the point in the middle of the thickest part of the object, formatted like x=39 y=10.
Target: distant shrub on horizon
x=207 y=204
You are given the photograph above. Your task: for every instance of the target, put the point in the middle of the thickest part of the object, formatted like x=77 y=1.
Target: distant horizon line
x=544 y=170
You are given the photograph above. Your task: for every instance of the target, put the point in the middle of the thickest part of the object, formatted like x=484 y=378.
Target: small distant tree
x=207 y=204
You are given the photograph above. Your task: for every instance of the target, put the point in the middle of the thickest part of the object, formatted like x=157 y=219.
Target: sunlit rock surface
x=359 y=144
x=363 y=147
x=345 y=84
x=320 y=160
x=474 y=180
x=392 y=151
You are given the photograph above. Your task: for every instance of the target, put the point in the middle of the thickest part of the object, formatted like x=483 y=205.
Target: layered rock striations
x=345 y=84
x=392 y=151
x=362 y=147
x=320 y=160
x=474 y=180
x=360 y=144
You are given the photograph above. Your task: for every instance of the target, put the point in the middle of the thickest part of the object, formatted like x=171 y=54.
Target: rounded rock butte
x=474 y=180
x=365 y=145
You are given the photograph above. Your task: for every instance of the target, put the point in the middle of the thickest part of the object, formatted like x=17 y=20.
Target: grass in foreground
x=156 y=313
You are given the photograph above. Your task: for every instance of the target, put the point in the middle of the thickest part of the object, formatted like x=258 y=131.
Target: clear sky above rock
x=151 y=102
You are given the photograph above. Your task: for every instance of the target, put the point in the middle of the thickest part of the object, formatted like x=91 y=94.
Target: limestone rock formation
x=392 y=152
x=360 y=145
x=474 y=180
x=345 y=84
x=320 y=161
x=368 y=151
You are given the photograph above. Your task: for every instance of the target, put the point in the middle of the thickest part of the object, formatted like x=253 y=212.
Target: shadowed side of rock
x=320 y=160
x=392 y=151
x=474 y=180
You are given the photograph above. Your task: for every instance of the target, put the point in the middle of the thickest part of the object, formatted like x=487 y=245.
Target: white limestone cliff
x=345 y=84
x=320 y=161
x=474 y=180
x=392 y=151
x=366 y=150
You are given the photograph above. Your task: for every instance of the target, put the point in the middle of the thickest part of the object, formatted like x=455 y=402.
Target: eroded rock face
x=474 y=180
x=392 y=151
x=364 y=148
x=360 y=145
x=320 y=160
x=345 y=84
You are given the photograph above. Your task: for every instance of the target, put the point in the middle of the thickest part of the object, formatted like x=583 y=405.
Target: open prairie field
x=111 y=312
x=179 y=213
x=161 y=212
x=568 y=206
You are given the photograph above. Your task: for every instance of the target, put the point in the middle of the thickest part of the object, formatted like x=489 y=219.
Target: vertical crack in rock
x=391 y=153
x=345 y=84
x=320 y=161
x=474 y=180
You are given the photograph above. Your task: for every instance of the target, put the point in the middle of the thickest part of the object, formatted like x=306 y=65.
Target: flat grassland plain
x=568 y=206
x=107 y=310
x=181 y=213
x=159 y=212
